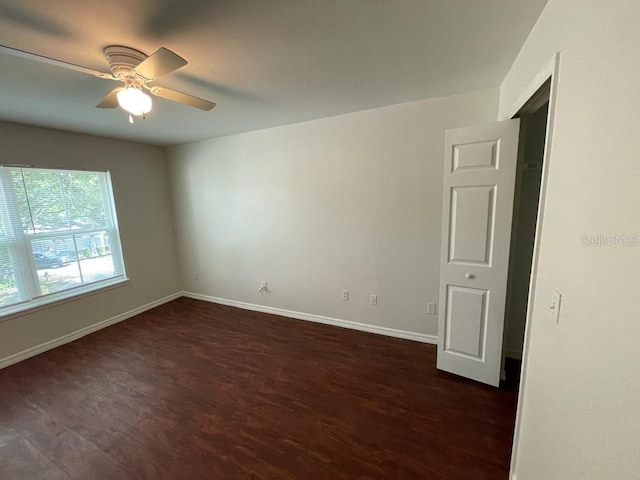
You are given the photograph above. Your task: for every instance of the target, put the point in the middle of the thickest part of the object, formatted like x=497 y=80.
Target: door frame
x=550 y=72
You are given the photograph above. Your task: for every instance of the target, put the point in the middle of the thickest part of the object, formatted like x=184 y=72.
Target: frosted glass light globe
x=134 y=101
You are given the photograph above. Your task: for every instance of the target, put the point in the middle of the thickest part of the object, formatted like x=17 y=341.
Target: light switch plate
x=554 y=308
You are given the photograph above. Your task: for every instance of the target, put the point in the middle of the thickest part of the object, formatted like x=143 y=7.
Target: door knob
x=469 y=276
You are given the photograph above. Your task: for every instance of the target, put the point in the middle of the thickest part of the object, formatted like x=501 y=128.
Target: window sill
x=53 y=300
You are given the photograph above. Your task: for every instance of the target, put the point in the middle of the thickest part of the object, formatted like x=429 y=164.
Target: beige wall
x=581 y=397
x=141 y=192
x=350 y=202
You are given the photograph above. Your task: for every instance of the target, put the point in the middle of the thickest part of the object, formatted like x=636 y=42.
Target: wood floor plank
x=20 y=459
x=203 y=391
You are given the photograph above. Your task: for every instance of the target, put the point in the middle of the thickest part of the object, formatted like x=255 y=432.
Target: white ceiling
x=265 y=62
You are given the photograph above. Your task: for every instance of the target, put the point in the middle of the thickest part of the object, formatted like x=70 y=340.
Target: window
x=58 y=236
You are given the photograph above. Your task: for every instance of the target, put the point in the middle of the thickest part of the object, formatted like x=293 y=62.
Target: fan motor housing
x=122 y=60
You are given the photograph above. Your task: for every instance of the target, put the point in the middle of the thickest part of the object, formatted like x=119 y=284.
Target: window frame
x=21 y=245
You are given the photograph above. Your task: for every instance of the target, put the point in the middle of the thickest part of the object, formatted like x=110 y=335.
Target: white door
x=479 y=178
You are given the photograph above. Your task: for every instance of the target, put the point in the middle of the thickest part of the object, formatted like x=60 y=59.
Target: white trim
x=390 y=332
x=58 y=298
x=70 y=337
x=538 y=80
x=549 y=70
x=513 y=477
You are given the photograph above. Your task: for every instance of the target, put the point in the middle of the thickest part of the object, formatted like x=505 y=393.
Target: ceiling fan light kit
x=136 y=71
x=134 y=101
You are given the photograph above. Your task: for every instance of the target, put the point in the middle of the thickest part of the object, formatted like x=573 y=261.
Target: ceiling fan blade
x=160 y=63
x=180 y=97
x=52 y=61
x=111 y=100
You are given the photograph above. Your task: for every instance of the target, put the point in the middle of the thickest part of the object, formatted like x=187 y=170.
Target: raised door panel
x=475 y=155
x=471 y=224
x=466 y=321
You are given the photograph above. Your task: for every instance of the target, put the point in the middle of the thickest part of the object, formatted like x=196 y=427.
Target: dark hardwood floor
x=194 y=390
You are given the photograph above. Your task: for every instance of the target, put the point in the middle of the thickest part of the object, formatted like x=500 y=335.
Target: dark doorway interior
x=533 y=125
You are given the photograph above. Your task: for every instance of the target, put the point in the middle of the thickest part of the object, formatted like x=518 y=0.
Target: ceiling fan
x=136 y=71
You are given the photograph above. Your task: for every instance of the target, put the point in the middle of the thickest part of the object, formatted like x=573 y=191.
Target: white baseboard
x=70 y=337
x=390 y=332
